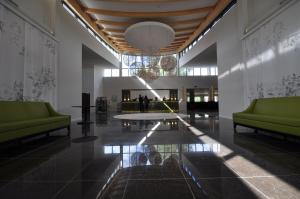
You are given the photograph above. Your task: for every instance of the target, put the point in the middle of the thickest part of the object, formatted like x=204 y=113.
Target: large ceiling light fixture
x=149 y=36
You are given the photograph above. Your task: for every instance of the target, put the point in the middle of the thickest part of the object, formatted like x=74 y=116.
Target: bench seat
x=23 y=119
x=280 y=115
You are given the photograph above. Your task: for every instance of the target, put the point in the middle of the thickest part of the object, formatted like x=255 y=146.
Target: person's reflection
x=138 y=159
x=155 y=158
x=153 y=155
x=171 y=161
x=147 y=124
x=141 y=124
x=192 y=118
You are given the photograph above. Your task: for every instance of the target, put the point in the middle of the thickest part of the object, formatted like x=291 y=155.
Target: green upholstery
x=21 y=119
x=274 y=114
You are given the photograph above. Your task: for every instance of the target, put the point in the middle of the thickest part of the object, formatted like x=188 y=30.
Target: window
x=132 y=72
x=107 y=72
x=85 y=26
x=206 y=31
x=190 y=71
x=69 y=11
x=116 y=149
x=125 y=72
x=216 y=98
x=135 y=63
x=212 y=71
x=81 y=23
x=91 y=32
x=188 y=99
x=197 y=99
x=197 y=72
x=213 y=23
x=182 y=71
x=107 y=149
x=205 y=98
x=115 y=72
x=204 y=71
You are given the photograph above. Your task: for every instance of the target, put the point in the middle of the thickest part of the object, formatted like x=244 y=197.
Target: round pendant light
x=149 y=36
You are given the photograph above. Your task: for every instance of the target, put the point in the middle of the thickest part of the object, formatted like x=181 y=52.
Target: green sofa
x=280 y=115
x=24 y=119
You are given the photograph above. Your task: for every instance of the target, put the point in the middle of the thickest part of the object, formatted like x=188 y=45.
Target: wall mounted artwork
x=28 y=60
x=272 y=58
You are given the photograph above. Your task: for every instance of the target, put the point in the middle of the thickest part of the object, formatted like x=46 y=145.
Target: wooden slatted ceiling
x=104 y=23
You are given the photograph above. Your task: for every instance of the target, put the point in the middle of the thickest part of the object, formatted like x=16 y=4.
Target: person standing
x=146 y=102
x=141 y=105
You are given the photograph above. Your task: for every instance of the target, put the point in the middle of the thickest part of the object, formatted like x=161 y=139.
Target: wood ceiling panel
x=188 y=29
x=111 y=25
x=221 y=5
x=75 y=6
x=144 y=1
x=170 y=23
x=148 y=14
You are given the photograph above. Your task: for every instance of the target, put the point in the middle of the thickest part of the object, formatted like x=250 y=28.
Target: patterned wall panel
x=28 y=61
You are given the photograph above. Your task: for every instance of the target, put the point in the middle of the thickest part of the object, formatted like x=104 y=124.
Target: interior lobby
x=138 y=99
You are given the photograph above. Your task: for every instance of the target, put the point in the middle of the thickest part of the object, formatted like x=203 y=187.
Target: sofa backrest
x=11 y=111
x=280 y=106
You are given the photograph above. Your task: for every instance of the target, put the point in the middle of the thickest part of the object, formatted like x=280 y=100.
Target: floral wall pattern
x=272 y=55
x=28 y=61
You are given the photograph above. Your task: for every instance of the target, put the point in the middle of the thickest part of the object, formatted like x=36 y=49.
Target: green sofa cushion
x=4 y=127
x=20 y=133
x=12 y=111
x=268 y=118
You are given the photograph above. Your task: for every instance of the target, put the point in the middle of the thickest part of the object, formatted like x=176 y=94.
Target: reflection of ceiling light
x=149 y=36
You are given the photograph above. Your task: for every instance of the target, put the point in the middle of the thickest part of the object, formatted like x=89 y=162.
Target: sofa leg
x=19 y=141
x=234 y=127
x=69 y=130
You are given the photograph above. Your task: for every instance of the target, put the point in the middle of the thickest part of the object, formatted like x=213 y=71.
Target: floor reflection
x=198 y=158
x=141 y=155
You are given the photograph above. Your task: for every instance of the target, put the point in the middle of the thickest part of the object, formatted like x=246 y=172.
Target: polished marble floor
x=195 y=157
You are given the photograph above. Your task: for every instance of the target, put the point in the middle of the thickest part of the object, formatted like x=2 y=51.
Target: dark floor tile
x=157 y=189
x=206 y=165
x=99 y=169
x=79 y=166
x=22 y=190
x=224 y=188
x=80 y=190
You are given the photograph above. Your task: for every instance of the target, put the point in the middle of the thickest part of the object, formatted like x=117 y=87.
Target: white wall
x=271 y=56
x=72 y=37
x=232 y=50
x=92 y=76
x=98 y=82
x=113 y=86
x=41 y=11
x=226 y=35
x=256 y=9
